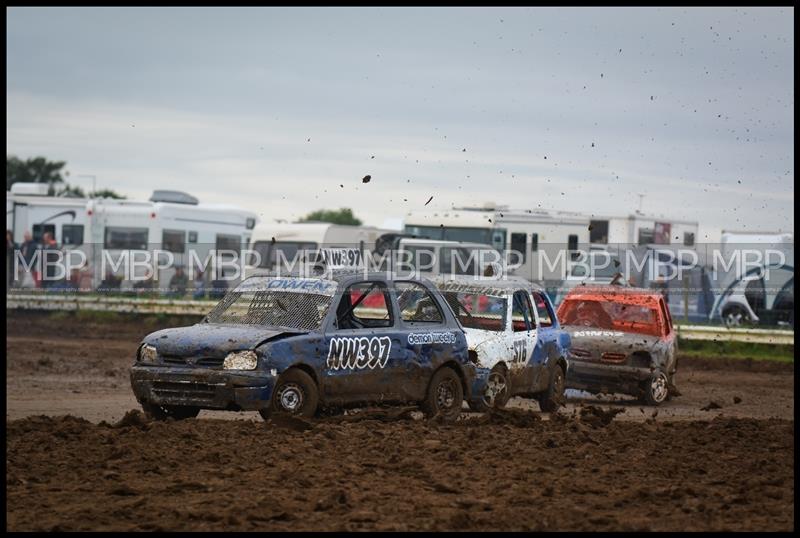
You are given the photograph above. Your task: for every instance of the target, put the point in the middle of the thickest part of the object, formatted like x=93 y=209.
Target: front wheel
x=553 y=397
x=295 y=394
x=445 y=396
x=163 y=412
x=656 y=389
x=736 y=316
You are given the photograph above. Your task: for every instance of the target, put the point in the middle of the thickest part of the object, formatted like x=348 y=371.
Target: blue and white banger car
x=512 y=330
x=294 y=345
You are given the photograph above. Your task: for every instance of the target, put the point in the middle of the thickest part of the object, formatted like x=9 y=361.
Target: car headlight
x=148 y=353
x=241 y=360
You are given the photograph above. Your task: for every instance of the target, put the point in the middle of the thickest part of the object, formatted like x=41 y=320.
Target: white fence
x=174 y=306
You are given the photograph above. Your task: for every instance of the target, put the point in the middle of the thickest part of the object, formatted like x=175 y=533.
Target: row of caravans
x=543 y=238
x=170 y=221
x=658 y=246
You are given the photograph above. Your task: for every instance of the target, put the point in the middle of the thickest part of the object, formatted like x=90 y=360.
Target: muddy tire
x=656 y=389
x=497 y=392
x=553 y=398
x=163 y=412
x=445 y=396
x=295 y=394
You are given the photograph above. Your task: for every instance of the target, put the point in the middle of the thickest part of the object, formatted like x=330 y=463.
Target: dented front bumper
x=603 y=377
x=202 y=387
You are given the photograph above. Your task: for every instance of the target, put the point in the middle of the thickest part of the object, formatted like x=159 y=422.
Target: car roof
x=344 y=275
x=623 y=294
x=485 y=286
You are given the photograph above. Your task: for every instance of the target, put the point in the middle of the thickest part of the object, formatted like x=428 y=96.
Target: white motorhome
x=641 y=229
x=279 y=241
x=170 y=221
x=529 y=232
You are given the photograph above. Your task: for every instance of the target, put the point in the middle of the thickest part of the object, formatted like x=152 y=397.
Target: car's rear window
x=477 y=310
x=609 y=315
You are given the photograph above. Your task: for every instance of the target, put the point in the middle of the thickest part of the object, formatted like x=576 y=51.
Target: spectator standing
x=50 y=258
x=10 y=248
x=28 y=249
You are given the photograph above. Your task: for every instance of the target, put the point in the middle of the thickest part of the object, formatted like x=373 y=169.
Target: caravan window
x=228 y=247
x=72 y=234
x=229 y=242
x=40 y=229
x=598 y=231
x=518 y=244
x=688 y=239
x=174 y=241
x=534 y=242
x=125 y=238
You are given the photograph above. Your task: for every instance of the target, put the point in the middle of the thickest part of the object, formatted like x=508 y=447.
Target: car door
x=361 y=343
x=546 y=349
x=524 y=330
x=424 y=339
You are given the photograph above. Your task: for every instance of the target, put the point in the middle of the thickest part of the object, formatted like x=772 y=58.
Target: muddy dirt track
x=726 y=468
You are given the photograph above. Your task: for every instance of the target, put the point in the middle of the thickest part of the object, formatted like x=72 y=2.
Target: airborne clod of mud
x=507 y=470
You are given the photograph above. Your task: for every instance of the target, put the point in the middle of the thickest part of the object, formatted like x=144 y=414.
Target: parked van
x=281 y=243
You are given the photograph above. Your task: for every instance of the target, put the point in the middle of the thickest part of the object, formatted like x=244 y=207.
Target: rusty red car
x=623 y=341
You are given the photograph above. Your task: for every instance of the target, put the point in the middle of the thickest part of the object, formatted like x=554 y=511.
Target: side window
x=572 y=246
x=40 y=229
x=688 y=239
x=364 y=305
x=542 y=308
x=521 y=313
x=174 y=241
x=126 y=238
x=72 y=234
x=518 y=244
x=534 y=242
x=416 y=304
x=572 y=242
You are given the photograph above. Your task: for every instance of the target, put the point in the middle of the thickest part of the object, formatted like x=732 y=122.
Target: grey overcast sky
x=273 y=109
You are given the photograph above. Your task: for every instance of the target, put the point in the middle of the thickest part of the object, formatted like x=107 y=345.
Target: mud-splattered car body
x=511 y=327
x=363 y=352
x=623 y=341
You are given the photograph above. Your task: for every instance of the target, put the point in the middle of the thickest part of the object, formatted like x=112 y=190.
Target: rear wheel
x=496 y=394
x=553 y=397
x=163 y=412
x=445 y=396
x=295 y=394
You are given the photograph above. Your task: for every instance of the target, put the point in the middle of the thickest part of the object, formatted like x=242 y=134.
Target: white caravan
x=102 y=227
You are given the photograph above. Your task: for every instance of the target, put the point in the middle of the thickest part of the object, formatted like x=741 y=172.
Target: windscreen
x=290 y=302
x=610 y=316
